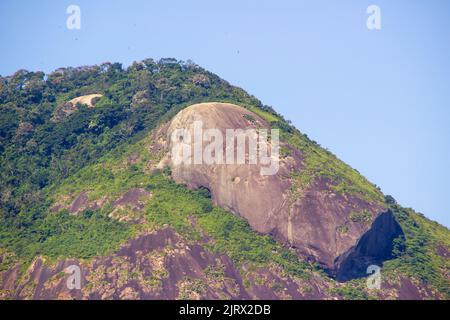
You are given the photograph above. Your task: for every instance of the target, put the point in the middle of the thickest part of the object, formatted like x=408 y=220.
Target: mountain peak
x=102 y=189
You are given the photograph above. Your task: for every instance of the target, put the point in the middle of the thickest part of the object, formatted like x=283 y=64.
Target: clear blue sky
x=380 y=100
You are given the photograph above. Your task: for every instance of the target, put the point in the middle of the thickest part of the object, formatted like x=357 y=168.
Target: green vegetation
x=216 y=272
x=416 y=252
x=249 y=118
x=285 y=152
x=268 y=114
x=362 y=217
x=191 y=288
x=61 y=235
x=343 y=229
x=350 y=291
x=320 y=163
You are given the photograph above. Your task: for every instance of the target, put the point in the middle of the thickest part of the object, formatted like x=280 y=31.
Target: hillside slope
x=85 y=189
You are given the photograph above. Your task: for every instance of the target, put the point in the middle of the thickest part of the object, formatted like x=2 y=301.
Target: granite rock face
x=312 y=223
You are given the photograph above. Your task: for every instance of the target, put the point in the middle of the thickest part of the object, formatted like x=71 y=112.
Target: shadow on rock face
x=374 y=247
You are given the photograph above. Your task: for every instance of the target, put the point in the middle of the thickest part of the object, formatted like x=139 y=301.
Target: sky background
x=379 y=100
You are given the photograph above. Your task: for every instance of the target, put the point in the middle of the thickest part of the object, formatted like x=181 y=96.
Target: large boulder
x=319 y=224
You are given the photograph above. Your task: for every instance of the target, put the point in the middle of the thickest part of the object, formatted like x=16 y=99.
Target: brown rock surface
x=310 y=223
x=164 y=265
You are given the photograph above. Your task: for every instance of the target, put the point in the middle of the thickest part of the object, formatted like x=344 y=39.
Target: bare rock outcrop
x=66 y=109
x=319 y=224
x=163 y=265
x=79 y=204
